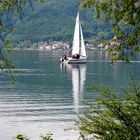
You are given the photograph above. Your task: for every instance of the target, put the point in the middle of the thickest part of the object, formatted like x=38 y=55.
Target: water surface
x=47 y=94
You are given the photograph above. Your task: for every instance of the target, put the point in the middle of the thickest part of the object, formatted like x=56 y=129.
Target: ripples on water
x=47 y=95
x=33 y=113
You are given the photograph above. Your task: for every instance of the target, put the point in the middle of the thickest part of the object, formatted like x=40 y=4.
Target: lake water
x=48 y=95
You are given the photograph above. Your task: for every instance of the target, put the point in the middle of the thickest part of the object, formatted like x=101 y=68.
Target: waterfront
x=47 y=95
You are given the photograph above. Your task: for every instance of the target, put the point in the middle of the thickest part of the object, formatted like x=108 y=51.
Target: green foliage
x=42 y=1
x=112 y=117
x=136 y=48
x=8 y=47
x=9 y=9
x=43 y=137
x=7 y=64
x=124 y=16
x=40 y=24
x=47 y=137
x=21 y=137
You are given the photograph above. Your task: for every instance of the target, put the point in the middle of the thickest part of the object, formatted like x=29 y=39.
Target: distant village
x=44 y=45
x=108 y=44
x=61 y=45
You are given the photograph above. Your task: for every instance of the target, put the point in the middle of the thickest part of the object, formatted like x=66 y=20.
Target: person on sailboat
x=76 y=56
x=65 y=57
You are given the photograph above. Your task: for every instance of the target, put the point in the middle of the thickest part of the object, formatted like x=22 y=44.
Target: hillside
x=55 y=20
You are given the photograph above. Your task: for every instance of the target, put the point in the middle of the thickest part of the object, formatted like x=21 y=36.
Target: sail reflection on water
x=78 y=82
x=75 y=87
x=78 y=73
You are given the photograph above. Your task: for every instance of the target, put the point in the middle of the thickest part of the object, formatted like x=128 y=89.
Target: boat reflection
x=78 y=82
x=78 y=73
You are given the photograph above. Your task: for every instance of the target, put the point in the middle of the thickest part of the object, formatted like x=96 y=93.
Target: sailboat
x=78 y=48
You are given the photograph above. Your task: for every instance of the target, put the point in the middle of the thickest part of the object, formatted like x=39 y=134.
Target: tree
x=124 y=16
x=112 y=117
x=9 y=9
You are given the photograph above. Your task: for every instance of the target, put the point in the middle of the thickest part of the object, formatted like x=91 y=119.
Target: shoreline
x=31 y=49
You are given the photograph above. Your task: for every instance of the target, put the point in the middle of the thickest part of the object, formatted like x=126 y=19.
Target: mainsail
x=76 y=39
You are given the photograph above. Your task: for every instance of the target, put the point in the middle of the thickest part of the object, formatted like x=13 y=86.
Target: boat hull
x=77 y=61
x=74 y=61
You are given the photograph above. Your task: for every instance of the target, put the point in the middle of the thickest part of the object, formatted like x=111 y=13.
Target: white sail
x=83 y=50
x=76 y=39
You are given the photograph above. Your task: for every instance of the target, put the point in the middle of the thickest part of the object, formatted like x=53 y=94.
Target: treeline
x=55 y=20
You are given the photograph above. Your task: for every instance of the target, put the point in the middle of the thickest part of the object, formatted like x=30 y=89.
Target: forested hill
x=55 y=20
